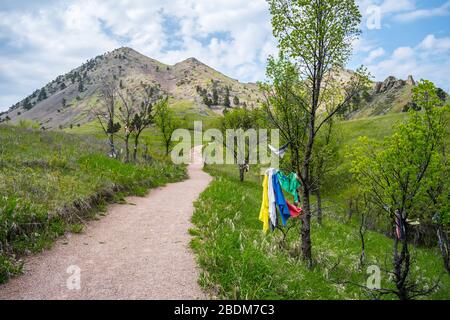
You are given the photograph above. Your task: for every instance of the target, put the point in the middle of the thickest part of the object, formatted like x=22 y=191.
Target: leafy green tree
x=398 y=173
x=282 y=107
x=316 y=36
x=325 y=157
x=166 y=122
x=240 y=119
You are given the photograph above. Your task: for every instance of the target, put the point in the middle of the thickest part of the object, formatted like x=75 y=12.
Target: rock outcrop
x=392 y=83
x=410 y=81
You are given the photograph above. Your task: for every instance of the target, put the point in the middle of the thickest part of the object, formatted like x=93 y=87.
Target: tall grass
x=51 y=182
x=239 y=261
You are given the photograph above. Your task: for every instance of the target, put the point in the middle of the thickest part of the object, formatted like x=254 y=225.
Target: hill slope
x=67 y=99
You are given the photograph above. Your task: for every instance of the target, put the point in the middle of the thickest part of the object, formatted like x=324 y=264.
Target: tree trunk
x=444 y=247
x=112 y=146
x=241 y=172
x=402 y=262
x=136 y=144
x=362 y=229
x=167 y=147
x=127 y=148
x=306 y=227
x=306 y=179
x=319 y=205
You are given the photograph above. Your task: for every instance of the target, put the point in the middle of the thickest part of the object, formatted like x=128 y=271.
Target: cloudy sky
x=42 y=39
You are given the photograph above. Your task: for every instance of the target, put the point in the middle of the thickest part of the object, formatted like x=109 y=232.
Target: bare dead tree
x=144 y=117
x=126 y=115
x=105 y=113
x=415 y=289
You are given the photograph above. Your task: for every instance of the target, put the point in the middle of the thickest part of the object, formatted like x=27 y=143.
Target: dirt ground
x=139 y=250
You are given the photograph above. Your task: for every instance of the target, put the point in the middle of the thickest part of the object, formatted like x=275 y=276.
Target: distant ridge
x=66 y=100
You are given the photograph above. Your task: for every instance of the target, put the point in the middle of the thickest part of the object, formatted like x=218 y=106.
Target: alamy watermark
x=231 y=147
x=373 y=17
x=73 y=282
x=374 y=279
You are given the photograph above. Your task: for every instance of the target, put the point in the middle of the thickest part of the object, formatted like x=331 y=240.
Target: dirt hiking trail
x=139 y=250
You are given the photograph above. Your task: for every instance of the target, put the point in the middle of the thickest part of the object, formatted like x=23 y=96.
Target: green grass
x=239 y=261
x=339 y=185
x=188 y=112
x=50 y=182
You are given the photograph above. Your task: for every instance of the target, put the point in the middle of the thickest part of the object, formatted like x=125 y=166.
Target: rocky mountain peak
x=67 y=99
x=392 y=82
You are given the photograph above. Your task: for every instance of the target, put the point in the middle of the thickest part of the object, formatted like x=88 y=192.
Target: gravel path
x=138 y=251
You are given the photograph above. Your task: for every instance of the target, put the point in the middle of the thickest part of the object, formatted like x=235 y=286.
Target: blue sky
x=40 y=39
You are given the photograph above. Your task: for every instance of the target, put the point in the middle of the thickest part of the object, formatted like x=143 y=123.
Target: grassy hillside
x=339 y=186
x=239 y=261
x=50 y=182
x=67 y=100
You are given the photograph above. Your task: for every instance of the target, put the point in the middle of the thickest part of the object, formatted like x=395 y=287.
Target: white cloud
x=377 y=11
x=441 y=11
x=431 y=43
x=232 y=36
x=394 y=6
x=374 y=54
x=387 y=6
x=427 y=60
x=38 y=43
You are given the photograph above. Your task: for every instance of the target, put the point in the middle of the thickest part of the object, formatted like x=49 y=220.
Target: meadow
x=54 y=182
x=240 y=261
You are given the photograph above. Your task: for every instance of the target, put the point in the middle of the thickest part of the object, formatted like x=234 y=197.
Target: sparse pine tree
x=27 y=104
x=226 y=99
x=236 y=100
x=42 y=95
x=207 y=101
x=215 y=99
